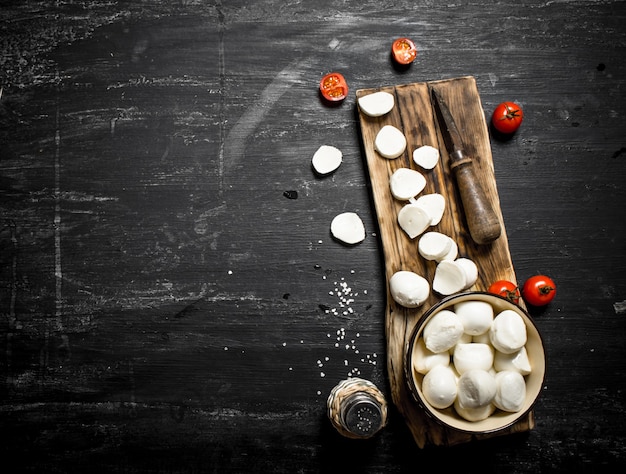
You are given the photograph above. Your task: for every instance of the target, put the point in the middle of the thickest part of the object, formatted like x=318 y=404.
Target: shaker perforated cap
x=362 y=415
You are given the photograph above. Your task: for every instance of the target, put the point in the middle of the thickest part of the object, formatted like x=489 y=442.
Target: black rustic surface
x=167 y=276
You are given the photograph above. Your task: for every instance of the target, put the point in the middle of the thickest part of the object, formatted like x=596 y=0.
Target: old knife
x=482 y=221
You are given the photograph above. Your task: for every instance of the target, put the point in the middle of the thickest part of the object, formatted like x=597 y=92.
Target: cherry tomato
x=403 y=51
x=334 y=87
x=539 y=290
x=505 y=288
x=507 y=117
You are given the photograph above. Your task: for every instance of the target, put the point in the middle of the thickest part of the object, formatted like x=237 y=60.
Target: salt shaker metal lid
x=357 y=408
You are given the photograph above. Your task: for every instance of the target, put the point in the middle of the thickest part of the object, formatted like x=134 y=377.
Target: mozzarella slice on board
x=390 y=142
x=376 y=104
x=426 y=156
x=406 y=183
x=413 y=220
x=434 y=204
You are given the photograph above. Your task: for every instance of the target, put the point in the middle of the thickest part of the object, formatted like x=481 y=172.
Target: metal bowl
x=499 y=419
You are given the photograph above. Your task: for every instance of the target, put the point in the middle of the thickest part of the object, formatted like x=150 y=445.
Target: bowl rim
x=408 y=366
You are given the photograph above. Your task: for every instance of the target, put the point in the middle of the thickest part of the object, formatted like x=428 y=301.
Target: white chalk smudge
x=620 y=307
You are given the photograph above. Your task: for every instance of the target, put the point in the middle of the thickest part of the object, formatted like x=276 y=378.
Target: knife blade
x=482 y=221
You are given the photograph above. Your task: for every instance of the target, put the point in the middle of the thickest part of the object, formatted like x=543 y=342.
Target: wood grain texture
x=413 y=114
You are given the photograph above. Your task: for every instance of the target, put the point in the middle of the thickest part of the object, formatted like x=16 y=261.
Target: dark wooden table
x=168 y=307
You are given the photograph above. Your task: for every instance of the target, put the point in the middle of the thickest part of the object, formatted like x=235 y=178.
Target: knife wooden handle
x=482 y=221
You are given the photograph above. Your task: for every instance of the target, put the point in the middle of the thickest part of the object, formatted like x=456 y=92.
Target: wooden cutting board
x=413 y=115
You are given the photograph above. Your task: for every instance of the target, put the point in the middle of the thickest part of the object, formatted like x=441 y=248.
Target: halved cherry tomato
x=403 y=51
x=334 y=87
x=505 y=288
x=539 y=290
x=507 y=117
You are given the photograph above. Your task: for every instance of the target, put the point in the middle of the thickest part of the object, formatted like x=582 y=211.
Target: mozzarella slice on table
x=406 y=183
x=426 y=156
x=348 y=227
x=326 y=159
x=390 y=142
x=376 y=104
x=413 y=220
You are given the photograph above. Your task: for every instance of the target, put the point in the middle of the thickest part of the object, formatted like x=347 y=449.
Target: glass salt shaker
x=357 y=408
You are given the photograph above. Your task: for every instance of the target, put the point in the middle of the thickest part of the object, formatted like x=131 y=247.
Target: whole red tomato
x=506 y=289
x=539 y=290
x=404 y=51
x=507 y=117
x=334 y=87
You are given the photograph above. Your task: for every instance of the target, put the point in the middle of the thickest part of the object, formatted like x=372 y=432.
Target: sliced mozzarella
x=408 y=289
x=413 y=220
x=510 y=391
x=326 y=159
x=348 y=227
x=390 y=142
x=376 y=104
x=426 y=156
x=434 y=204
x=443 y=331
x=439 y=387
x=449 y=278
x=508 y=332
x=452 y=254
x=470 y=269
x=406 y=183
x=434 y=245
x=424 y=359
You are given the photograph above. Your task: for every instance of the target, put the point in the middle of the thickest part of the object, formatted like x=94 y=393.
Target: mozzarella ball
x=472 y=356
x=474 y=414
x=510 y=391
x=425 y=360
x=517 y=361
x=408 y=289
x=476 y=316
x=440 y=387
x=443 y=331
x=476 y=389
x=508 y=332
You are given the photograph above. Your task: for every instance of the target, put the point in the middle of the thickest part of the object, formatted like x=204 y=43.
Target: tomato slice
x=403 y=51
x=334 y=87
